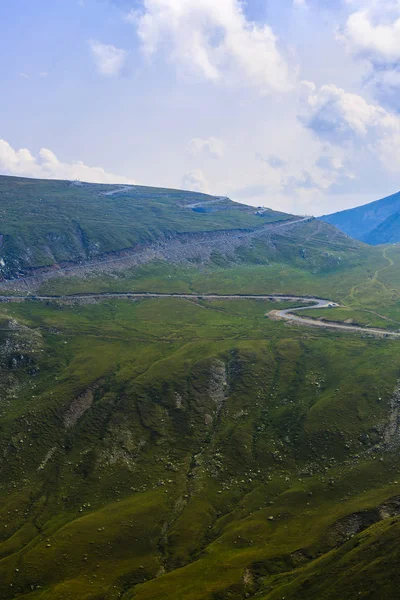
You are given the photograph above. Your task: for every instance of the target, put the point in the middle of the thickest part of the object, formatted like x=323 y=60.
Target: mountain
x=374 y=223
x=62 y=235
x=47 y=222
x=192 y=447
x=387 y=232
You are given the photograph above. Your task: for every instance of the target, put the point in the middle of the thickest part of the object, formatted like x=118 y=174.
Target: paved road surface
x=289 y=315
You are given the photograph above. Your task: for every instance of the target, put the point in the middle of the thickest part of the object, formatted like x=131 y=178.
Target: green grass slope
x=306 y=257
x=43 y=222
x=165 y=448
x=194 y=449
x=312 y=259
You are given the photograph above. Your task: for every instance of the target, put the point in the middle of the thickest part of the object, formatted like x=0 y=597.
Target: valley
x=288 y=314
x=202 y=405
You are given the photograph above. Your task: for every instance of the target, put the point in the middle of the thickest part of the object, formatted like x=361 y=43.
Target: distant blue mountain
x=374 y=223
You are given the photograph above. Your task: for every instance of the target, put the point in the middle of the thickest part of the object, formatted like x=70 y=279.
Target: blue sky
x=290 y=104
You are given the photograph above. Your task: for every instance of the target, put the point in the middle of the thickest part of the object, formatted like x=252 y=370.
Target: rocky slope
x=45 y=223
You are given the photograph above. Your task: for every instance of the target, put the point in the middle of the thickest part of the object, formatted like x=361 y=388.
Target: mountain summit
x=374 y=223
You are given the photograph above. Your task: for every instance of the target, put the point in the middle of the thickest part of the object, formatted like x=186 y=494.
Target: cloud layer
x=341 y=118
x=47 y=166
x=370 y=33
x=213 y=40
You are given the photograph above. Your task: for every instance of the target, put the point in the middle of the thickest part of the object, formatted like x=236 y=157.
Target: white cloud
x=47 y=166
x=333 y=112
x=211 y=147
x=109 y=60
x=370 y=33
x=310 y=175
x=349 y=121
x=214 y=40
x=195 y=182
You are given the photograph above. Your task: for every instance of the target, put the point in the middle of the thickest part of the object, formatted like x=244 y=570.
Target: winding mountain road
x=287 y=314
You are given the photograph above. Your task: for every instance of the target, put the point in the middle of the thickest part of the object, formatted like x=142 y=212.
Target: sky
x=290 y=104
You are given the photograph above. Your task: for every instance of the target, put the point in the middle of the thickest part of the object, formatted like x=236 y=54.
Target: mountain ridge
x=372 y=223
x=44 y=222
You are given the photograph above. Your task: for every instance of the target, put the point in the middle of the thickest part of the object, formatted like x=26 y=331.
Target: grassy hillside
x=44 y=222
x=194 y=449
x=314 y=258
x=277 y=260
x=167 y=447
